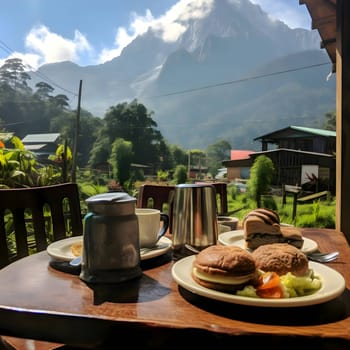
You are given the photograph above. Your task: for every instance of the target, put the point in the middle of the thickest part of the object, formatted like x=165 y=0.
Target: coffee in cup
x=153 y=224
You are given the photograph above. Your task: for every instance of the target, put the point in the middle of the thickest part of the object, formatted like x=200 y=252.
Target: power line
x=239 y=80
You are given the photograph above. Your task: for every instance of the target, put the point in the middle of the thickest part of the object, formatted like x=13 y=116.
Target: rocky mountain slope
x=232 y=74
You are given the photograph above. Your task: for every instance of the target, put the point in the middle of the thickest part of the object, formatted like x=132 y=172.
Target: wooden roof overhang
x=323 y=14
x=331 y=19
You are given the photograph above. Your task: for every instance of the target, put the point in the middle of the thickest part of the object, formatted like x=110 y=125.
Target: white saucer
x=61 y=250
x=164 y=245
x=236 y=237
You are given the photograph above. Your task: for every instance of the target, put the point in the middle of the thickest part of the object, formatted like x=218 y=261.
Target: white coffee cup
x=153 y=224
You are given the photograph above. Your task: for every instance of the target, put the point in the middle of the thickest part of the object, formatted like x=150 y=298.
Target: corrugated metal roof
x=41 y=138
x=35 y=147
x=277 y=133
x=321 y=132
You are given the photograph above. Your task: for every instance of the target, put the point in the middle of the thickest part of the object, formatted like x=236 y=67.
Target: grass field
x=316 y=213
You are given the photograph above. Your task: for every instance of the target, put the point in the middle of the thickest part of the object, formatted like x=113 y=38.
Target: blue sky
x=90 y=32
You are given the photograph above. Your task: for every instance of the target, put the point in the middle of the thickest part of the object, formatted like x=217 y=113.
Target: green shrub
x=180 y=174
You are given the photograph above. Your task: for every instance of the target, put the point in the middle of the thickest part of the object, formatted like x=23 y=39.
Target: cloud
x=287 y=11
x=48 y=47
x=139 y=25
x=168 y=26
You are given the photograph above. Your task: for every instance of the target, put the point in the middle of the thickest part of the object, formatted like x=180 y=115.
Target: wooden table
x=37 y=301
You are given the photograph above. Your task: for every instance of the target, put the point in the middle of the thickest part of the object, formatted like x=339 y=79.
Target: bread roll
x=281 y=258
x=224 y=268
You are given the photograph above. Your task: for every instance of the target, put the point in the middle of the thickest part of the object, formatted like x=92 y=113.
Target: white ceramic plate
x=60 y=250
x=237 y=238
x=333 y=285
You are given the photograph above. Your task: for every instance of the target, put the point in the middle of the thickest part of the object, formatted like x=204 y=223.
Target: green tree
x=261 y=174
x=25 y=111
x=166 y=160
x=133 y=122
x=100 y=152
x=216 y=153
x=120 y=160
x=60 y=101
x=197 y=159
x=12 y=73
x=43 y=90
x=179 y=155
x=180 y=174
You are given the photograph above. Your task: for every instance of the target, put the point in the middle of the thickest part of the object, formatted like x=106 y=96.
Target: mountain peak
x=200 y=75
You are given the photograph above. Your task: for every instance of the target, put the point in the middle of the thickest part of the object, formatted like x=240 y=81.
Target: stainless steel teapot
x=194 y=219
x=111 y=251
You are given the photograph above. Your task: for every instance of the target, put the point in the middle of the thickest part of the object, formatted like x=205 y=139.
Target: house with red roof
x=238 y=166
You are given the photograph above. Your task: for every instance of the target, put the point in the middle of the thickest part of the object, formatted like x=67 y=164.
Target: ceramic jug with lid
x=194 y=219
x=111 y=251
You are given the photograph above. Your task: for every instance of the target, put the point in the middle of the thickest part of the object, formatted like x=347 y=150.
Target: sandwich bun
x=281 y=258
x=224 y=268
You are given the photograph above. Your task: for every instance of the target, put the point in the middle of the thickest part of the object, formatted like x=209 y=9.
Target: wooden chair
x=30 y=219
x=155 y=196
x=221 y=192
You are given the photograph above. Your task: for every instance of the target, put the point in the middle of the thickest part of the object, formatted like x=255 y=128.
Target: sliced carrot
x=269 y=286
x=268 y=280
x=272 y=293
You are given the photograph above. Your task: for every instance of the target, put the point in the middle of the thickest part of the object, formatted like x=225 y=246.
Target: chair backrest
x=155 y=196
x=221 y=192
x=31 y=218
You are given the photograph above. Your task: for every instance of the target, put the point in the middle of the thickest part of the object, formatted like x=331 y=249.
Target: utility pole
x=76 y=136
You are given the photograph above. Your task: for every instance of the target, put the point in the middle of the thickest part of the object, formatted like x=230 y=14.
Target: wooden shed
x=300 y=138
x=312 y=171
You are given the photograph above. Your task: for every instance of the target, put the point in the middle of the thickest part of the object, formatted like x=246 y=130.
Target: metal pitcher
x=194 y=219
x=111 y=248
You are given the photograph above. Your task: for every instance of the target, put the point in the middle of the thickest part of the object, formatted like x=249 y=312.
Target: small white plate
x=333 y=285
x=60 y=250
x=237 y=238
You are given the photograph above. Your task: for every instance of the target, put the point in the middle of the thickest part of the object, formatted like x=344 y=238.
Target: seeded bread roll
x=224 y=268
x=262 y=226
x=281 y=258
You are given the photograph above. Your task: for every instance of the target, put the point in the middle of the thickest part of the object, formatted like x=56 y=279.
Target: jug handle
x=165 y=219
x=86 y=232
